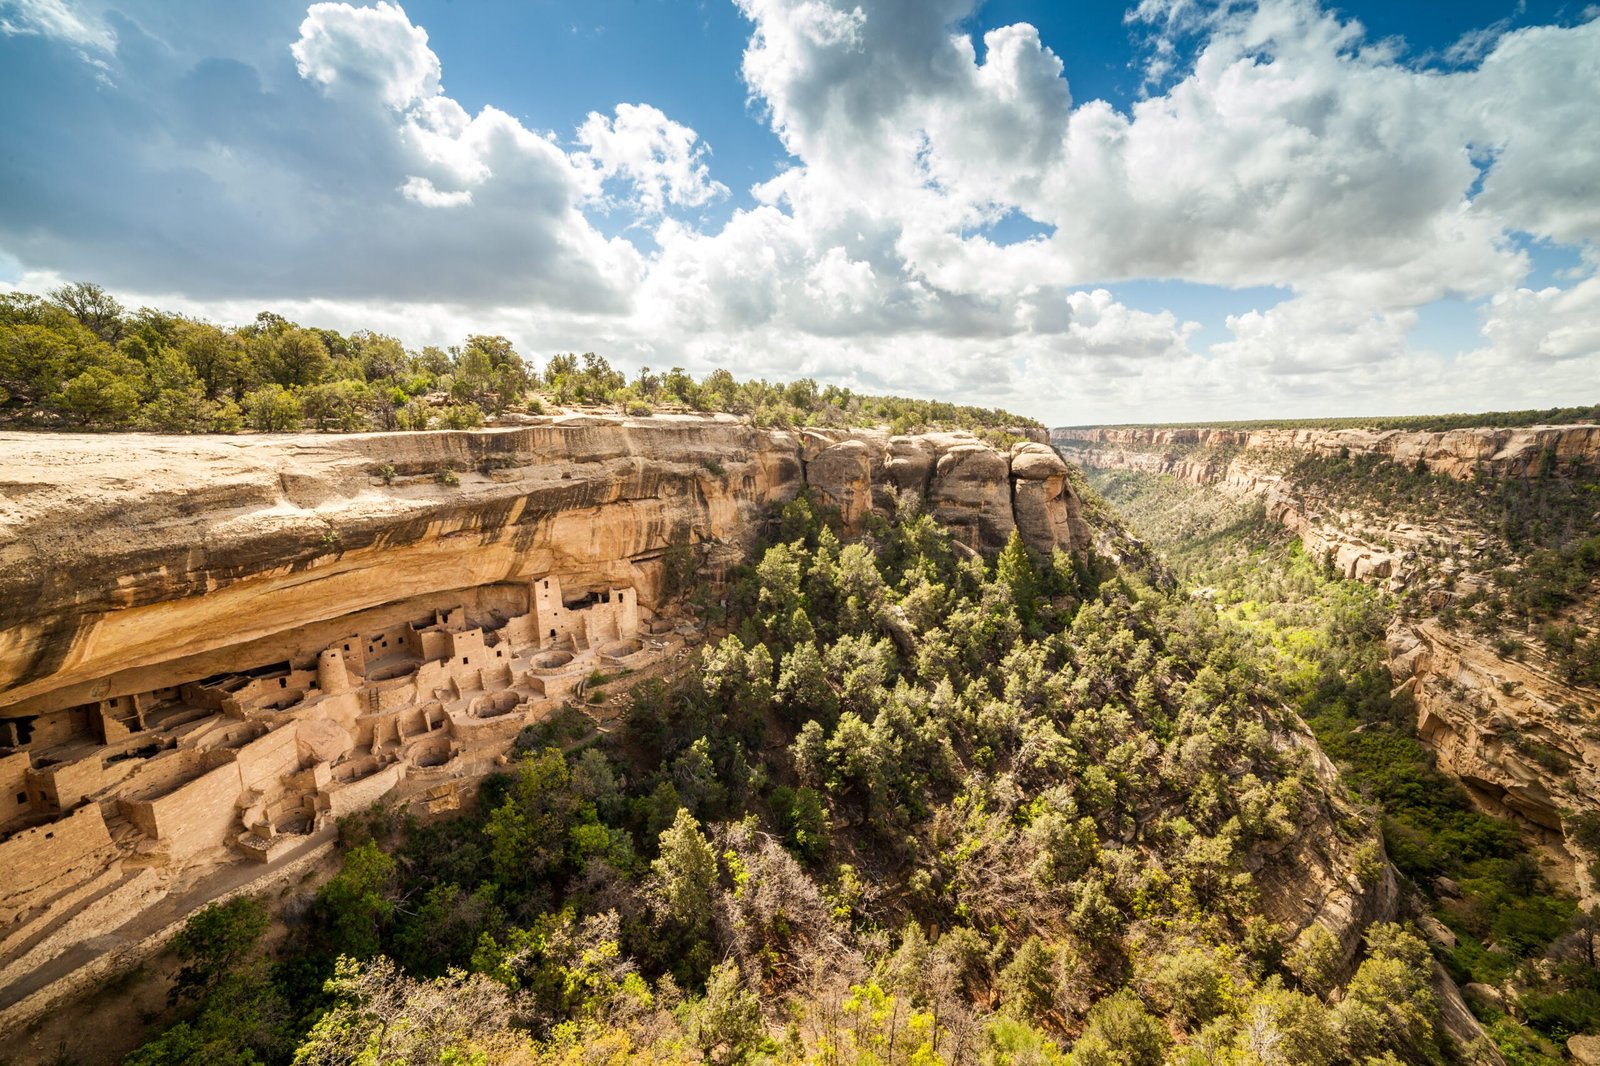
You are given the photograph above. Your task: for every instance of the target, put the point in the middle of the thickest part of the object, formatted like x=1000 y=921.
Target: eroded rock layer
x=1516 y=734
x=1457 y=453
x=125 y=562
x=211 y=647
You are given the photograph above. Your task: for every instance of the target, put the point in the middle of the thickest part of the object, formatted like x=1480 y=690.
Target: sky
x=1170 y=210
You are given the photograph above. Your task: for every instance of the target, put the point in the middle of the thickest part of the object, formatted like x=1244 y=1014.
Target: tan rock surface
x=1521 y=740
x=1458 y=453
x=1585 y=1050
x=148 y=556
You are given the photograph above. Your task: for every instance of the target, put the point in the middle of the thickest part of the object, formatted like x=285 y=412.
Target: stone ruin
x=257 y=763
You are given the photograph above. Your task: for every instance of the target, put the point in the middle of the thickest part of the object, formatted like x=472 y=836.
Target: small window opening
x=22 y=797
x=463 y=660
x=552 y=633
x=283 y=682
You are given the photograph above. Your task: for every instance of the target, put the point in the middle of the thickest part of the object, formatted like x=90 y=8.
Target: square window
x=22 y=797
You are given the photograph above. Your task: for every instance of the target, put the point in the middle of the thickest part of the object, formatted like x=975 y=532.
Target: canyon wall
x=1457 y=453
x=1380 y=549
x=133 y=561
x=213 y=647
x=1520 y=739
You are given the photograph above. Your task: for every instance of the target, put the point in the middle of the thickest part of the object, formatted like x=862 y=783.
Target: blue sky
x=1165 y=210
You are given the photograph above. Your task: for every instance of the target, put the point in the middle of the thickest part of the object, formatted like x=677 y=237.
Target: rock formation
x=1457 y=453
x=1519 y=738
x=211 y=647
x=1379 y=549
x=143 y=557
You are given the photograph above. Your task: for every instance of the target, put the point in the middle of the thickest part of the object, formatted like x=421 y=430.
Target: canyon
x=1517 y=734
x=211 y=648
x=1456 y=453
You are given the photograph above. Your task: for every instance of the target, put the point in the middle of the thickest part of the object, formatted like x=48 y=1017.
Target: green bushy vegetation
x=912 y=808
x=1326 y=643
x=1542 y=556
x=79 y=360
x=1526 y=514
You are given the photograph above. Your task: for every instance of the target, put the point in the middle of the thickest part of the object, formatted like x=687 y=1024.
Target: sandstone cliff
x=1458 y=453
x=1381 y=549
x=1521 y=740
x=1511 y=730
x=134 y=561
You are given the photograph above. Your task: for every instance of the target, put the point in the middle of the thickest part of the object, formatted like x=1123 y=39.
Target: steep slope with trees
x=1448 y=687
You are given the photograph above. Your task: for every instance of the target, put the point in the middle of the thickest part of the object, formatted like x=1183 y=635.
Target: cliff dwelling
x=254 y=763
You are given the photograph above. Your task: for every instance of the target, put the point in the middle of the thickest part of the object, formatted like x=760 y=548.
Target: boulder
x=1585 y=1050
x=1436 y=931
x=1046 y=510
x=321 y=739
x=971 y=490
x=841 y=476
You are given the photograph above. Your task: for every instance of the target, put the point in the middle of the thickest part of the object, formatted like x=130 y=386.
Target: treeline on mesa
x=78 y=360
x=1549 y=416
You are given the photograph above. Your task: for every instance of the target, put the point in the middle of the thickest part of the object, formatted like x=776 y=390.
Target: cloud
x=372 y=50
x=664 y=161
x=55 y=19
x=318 y=161
x=317 y=168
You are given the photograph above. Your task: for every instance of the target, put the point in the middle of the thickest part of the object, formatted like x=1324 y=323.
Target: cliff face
x=135 y=561
x=1383 y=549
x=1521 y=740
x=1517 y=736
x=1457 y=453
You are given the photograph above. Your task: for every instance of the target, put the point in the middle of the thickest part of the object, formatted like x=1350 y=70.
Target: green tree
x=297 y=357
x=1015 y=570
x=357 y=903
x=92 y=306
x=272 y=409
x=100 y=396
x=213 y=942
x=1120 y=1033
x=528 y=833
x=725 y=1024
x=684 y=887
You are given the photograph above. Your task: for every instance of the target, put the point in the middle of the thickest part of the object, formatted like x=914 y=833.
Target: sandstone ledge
x=121 y=553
